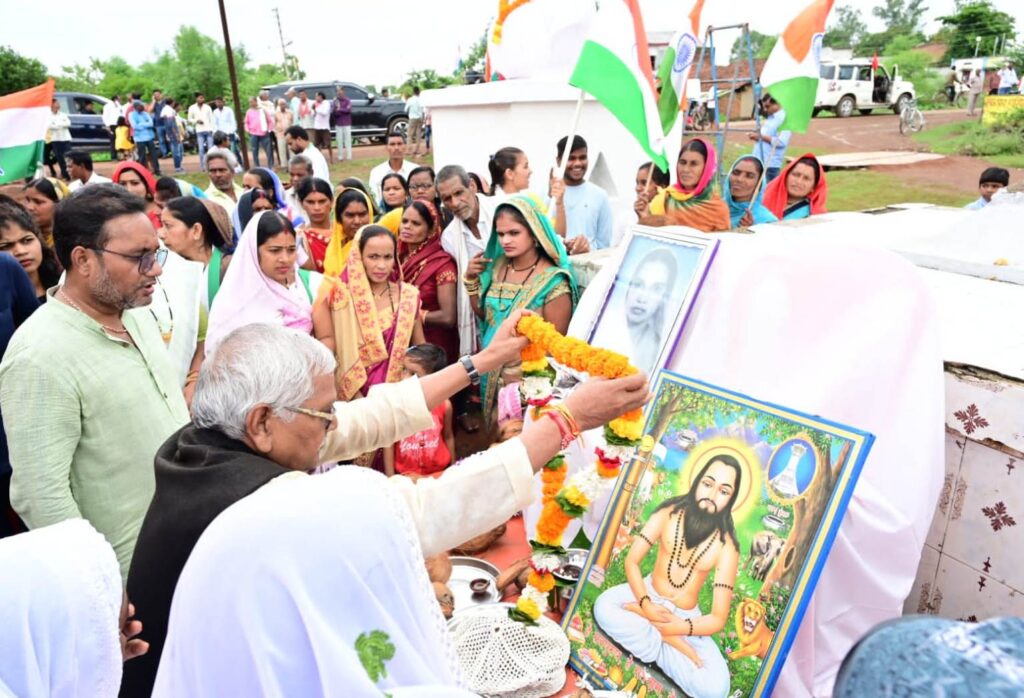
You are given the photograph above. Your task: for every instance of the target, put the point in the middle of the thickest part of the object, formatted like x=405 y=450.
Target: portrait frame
x=689 y=425
x=692 y=254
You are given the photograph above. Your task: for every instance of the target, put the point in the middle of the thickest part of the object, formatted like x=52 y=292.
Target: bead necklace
x=691 y=564
x=67 y=299
x=504 y=308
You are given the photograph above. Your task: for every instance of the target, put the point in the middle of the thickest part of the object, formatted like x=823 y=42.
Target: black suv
x=86 y=114
x=373 y=116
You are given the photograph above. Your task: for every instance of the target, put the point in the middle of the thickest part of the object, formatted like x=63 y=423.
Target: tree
x=760 y=45
x=901 y=16
x=972 y=21
x=848 y=29
x=19 y=72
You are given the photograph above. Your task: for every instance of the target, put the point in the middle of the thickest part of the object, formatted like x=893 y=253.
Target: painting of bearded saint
x=656 y=618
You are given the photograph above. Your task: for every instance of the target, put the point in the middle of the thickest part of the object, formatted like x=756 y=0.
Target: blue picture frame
x=791 y=477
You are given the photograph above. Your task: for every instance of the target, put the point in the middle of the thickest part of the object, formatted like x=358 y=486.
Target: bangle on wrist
x=563 y=427
x=574 y=426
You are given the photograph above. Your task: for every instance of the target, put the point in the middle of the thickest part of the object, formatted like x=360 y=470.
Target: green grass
x=359 y=167
x=856 y=190
x=1005 y=149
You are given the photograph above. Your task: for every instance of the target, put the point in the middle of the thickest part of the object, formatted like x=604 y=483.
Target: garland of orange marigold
x=564 y=501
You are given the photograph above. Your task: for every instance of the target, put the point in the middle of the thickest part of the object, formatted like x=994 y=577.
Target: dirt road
x=880 y=131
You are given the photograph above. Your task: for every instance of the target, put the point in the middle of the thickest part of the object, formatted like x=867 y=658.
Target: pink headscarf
x=247 y=296
x=710 y=169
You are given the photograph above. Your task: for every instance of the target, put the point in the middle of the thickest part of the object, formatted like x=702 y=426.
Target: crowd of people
x=247 y=333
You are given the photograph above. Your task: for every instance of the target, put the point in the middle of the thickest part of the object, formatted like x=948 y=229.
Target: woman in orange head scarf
x=799 y=191
x=692 y=201
x=138 y=180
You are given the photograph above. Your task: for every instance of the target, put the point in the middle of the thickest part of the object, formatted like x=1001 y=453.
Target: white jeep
x=853 y=85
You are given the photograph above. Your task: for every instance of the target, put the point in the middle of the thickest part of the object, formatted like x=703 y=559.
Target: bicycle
x=911 y=118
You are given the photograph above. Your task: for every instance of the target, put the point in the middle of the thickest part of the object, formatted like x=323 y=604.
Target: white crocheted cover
x=503 y=658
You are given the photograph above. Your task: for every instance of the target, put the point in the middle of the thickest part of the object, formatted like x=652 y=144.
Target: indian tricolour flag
x=23 y=119
x=615 y=66
x=790 y=74
x=675 y=69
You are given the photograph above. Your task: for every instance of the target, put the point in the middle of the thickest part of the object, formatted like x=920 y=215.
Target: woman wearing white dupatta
x=59 y=609
x=264 y=283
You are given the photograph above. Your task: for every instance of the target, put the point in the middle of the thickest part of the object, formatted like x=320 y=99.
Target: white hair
x=257 y=365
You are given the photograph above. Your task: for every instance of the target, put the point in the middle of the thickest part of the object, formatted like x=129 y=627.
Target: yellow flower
x=627 y=428
x=529 y=607
x=535 y=366
x=575 y=497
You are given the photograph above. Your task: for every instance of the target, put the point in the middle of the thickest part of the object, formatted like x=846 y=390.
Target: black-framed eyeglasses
x=327 y=417
x=146 y=261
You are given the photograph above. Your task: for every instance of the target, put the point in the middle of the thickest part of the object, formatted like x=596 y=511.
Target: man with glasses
x=88 y=390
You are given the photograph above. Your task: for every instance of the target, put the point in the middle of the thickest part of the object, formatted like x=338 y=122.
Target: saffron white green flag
x=23 y=119
x=675 y=69
x=615 y=67
x=790 y=74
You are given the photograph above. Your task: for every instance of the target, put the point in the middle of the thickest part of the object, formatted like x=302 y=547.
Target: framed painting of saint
x=712 y=544
x=660 y=273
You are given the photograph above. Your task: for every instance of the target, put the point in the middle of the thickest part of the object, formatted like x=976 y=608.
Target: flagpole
x=560 y=165
x=764 y=173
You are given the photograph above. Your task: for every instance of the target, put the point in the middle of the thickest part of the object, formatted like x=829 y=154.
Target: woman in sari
x=799 y=191
x=353 y=209
x=745 y=209
x=264 y=283
x=270 y=183
x=249 y=204
x=422 y=185
x=524 y=266
x=200 y=231
x=692 y=200
x=316 y=197
x=41 y=196
x=429 y=268
x=373 y=314
x=140 y=181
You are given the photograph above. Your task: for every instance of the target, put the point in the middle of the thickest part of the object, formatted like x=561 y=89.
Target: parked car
x=373 y=116
x=848 y=86
x=86 y=114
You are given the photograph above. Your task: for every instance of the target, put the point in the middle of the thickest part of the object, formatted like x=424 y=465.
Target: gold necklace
x=67 y=299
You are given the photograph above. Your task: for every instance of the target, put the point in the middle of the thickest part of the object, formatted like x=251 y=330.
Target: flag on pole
x=675 y=69
x=791 y=72
x=615 y=67
x=23 y=119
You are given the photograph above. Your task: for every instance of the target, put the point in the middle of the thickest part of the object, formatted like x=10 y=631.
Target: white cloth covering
x=289 y=607
x=849 y=334
x=60 y=602
x=458 y=241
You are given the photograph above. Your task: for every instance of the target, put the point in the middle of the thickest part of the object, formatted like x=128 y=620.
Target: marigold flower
x=529 y=607
x=575 y=497
x=543 y=582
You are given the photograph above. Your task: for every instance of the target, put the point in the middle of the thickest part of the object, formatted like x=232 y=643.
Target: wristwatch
x=467 y=363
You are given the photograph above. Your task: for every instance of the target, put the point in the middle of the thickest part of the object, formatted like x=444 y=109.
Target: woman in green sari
x=524 y=266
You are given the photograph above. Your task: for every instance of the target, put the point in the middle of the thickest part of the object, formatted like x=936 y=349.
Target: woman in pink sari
x=374 y=315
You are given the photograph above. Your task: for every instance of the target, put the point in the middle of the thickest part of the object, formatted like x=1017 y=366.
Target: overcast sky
x=364 y=42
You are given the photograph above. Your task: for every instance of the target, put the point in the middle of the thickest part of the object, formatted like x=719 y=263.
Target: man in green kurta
x=88 y=391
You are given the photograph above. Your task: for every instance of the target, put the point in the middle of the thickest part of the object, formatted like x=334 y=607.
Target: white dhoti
x=641 y=639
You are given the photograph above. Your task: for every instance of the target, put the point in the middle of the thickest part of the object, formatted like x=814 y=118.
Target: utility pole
x=287 y=64
x=234 y=82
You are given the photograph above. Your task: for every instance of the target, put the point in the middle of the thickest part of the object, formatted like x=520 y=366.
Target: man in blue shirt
x=588 y=212
x=770 y=144
x=144 y=133
x=992 y=180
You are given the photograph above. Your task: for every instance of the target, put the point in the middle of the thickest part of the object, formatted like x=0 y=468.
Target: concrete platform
x=879 y=158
